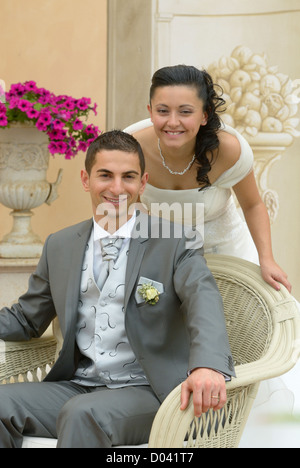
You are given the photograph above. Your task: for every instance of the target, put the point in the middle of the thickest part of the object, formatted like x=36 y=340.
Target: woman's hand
x=257 y=218
x=274 y=275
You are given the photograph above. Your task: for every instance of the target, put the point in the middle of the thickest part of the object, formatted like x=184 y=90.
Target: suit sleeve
x=203 y=307
x=33 y=313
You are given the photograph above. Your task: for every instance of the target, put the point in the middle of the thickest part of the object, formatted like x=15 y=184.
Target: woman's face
x=177 y=114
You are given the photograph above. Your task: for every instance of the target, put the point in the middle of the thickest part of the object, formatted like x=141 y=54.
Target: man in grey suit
x=139 y=314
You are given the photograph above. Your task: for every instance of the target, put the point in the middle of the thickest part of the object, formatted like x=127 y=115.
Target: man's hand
x=208 y=388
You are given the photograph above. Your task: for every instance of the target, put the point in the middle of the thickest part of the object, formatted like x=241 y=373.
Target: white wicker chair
x=263 y=327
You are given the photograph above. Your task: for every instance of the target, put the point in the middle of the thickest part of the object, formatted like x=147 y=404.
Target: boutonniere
x=149 y=293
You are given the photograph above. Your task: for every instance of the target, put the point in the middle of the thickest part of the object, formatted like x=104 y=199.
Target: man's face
x=115 y=183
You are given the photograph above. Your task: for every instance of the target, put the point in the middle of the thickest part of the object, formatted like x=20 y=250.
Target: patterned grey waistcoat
x=108 y=358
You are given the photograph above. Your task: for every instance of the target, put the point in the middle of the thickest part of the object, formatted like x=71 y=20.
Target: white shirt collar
x=124 y=231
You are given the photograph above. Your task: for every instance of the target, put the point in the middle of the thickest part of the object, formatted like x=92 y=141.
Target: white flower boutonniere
x=149 y=293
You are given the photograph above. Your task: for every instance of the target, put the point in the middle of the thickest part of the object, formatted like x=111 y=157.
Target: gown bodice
x=225 y=231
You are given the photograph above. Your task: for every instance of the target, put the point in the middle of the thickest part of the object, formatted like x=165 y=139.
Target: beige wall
x=60 y=44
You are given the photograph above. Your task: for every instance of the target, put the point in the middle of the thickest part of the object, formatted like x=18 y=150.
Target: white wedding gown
x=225 y=232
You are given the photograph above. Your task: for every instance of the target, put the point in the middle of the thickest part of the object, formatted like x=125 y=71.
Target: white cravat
x=110 y=248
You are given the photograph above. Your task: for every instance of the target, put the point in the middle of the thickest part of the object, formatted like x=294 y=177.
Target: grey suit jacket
x=184 y=330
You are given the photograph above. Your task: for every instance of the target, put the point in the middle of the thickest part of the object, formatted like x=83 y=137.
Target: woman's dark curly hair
x=207 y=138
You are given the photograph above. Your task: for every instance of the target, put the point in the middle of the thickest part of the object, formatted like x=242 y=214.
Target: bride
x=191 y=157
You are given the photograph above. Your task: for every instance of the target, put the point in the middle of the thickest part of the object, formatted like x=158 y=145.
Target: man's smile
x=115 y=200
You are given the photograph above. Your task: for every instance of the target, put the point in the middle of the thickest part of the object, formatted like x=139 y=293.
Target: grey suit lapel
x=136 y=253
x=78 y=250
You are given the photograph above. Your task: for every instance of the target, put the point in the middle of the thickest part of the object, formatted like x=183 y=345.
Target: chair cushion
x=38 y=442
x=43 y=442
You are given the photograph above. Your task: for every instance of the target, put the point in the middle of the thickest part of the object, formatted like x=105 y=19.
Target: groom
x=137 y=314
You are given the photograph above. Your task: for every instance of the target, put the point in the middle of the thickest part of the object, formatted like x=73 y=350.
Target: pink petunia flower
x=95 y=109
x=45 y=118
x=3 y=120
x=30 y=86
x=77 y=125
x=41 y=126
x=82 y=146
x=17 y=90
x=32 y=113
x=13 y=102
x=57 y=134
x=83 y=103
x=69 y=104
x=57 y=124
x=52 y=147
x=69 y=154
x=90 y=130
x=24 y=105
x=45 y=96
x=62 y=147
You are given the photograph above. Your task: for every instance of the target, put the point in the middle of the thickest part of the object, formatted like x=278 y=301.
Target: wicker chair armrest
x=258 y=371
x=25 y=361
x=174 y=428
x=171 y=425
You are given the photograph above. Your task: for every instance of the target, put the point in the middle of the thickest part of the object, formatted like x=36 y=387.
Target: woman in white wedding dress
x=192 y=158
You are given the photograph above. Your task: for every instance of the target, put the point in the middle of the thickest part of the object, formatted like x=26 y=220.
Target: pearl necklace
x=170 y=170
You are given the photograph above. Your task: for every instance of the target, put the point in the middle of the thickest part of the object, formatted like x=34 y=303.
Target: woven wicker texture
x=263 y=326
x=27 y=361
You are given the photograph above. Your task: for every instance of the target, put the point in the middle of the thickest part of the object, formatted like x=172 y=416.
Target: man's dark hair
x=114 y=140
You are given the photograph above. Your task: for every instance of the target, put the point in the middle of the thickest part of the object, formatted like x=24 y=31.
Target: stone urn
x=261 y=104
x=24 y=160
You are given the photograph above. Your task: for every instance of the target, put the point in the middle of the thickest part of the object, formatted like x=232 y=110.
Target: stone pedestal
x=14 y=276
